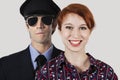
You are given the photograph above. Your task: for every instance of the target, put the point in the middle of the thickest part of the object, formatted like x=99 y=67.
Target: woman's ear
x=59 y=31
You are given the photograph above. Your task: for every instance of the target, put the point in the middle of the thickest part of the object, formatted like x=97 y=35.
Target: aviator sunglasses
x=32 y=20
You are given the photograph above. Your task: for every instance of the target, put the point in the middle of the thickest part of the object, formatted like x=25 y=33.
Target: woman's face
x=74 y=32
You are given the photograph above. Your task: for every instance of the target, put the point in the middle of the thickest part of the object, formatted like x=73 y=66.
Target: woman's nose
x=76 y=33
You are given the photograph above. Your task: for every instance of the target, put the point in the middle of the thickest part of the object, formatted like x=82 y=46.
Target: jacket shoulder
x=13 y=57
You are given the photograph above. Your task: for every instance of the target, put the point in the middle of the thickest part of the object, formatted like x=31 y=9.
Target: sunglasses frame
x=28 y=17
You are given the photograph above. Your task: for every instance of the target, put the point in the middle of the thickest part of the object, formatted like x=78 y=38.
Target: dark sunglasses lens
x=32 y=21
x=47 y=20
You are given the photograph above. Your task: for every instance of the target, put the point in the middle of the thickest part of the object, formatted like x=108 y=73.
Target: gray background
x=103 y=44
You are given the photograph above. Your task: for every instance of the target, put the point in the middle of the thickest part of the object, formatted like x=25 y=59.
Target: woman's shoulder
x=49 y=68
x=101 y=65
x=106 y=69
x=103 y=68
x=51 y=65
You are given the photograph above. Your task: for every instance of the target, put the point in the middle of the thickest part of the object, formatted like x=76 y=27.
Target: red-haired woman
x=75 y=24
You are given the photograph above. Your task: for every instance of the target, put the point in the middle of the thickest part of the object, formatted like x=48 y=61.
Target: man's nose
x=40 y=24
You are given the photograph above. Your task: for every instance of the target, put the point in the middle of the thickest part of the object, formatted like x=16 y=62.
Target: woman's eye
x=69 y=27
x=83 y=28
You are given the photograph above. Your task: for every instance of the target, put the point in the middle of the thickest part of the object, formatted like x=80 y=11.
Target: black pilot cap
x=40 y=7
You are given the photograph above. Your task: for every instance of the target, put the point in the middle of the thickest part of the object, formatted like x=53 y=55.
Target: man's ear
x=27 y=25
x=54 y=25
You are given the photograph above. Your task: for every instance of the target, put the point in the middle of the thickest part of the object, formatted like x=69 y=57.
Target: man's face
x=40 y=29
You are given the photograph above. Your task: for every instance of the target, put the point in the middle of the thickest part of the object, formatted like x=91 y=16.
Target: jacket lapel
x=56 y=52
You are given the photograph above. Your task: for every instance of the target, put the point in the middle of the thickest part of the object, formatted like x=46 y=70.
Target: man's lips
x=39 y=32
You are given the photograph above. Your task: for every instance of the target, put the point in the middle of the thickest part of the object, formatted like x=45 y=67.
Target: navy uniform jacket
x=19 y=66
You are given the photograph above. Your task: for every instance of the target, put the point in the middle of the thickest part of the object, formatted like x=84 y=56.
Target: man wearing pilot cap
x=41 y=7
x=40 y=18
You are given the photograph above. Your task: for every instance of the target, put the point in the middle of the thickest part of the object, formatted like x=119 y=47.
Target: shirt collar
x=93 y=62
x=34 y=53
x=48 y=53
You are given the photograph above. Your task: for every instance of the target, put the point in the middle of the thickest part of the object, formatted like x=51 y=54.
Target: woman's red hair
x=80 y=10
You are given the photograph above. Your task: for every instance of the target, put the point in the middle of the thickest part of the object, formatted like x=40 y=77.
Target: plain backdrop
x=104 y=43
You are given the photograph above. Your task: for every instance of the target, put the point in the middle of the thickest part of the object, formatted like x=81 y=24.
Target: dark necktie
x=41 y=60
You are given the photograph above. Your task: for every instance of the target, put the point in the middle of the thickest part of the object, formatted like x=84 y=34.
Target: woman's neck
x=79 y=59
